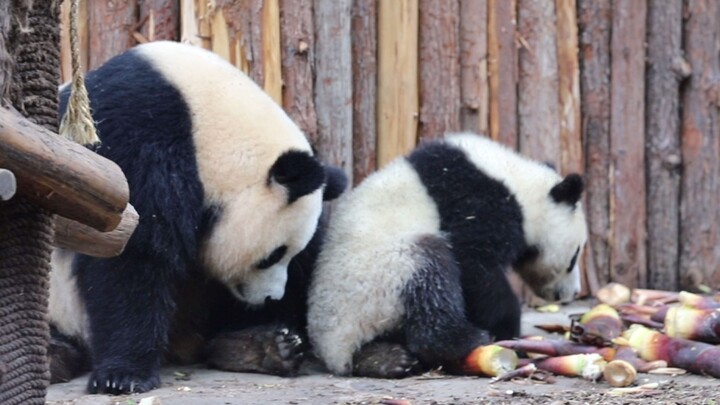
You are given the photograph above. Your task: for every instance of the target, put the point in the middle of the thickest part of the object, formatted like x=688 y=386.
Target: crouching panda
x=228 y=191
x=412 y=269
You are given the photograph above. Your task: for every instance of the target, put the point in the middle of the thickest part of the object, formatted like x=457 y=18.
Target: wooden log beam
x=663 y=160
x=161 y=19
x=503 y=71
x=364 y=60
x=627 y=143
x=594 y=17
x=8 y=184
x=72 y=235
x=474 y=87
x=397 y=79
x=111 y=28
x=62 y=176
x=700 y=195
x=439 y=68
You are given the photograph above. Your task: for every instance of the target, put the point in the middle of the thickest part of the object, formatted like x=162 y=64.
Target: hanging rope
x=77 y=123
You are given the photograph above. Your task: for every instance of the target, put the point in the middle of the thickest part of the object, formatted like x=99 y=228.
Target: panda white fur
x=415 y=255
x=228 y=192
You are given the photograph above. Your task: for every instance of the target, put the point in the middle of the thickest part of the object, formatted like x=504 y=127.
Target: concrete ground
x=196 y=385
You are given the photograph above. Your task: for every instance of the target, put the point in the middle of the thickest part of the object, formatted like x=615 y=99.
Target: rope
x=77 y=123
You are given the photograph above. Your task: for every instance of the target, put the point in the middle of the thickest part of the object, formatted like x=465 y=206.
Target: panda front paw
x=261 y=349
x=121 y=382
x=385 y=360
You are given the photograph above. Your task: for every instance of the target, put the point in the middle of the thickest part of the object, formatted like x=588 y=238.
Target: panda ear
x=297 y=171
x=568 y=191
x=335 y=182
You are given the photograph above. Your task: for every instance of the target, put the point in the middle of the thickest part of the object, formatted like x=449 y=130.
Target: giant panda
x=228 y=190
x=411 y=274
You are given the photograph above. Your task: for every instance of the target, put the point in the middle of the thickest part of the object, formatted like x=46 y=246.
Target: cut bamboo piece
x=588 y=366
x=490 y=361
x=397 y=78
x=619 y=373
x=695 y=324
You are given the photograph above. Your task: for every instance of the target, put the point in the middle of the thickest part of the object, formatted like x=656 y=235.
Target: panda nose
x=557 y=295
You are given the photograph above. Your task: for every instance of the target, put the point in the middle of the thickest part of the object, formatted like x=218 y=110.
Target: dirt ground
x=196 y=385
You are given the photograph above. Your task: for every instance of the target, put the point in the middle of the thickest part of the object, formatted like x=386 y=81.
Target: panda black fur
x=416 y=254
x=228 y=192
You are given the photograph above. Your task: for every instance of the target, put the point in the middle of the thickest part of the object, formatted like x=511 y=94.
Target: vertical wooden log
x=627 y=142
x=663 y=154
x=189 y=30
x=569 y=86
x=594 y=18
x=297 y=55
x=502 y=67
x=161 y=19
x=333 y=84
x=397 y=78
x=700 y=201
x=538 y=109
x=203 y=18
x=272 y=82
x=439 y=68
x=220 y=35
x=364 y=73
x=474 y=90
x=110 y=29
x=244 y=21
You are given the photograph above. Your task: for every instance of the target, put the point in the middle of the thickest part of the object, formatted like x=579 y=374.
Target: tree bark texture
x=474 y=86
x=627 y=143
x=244 y=20
x=571 y=156
x=111 y=26
x=333 y=82
x=594 y=21
x=364 y=74
x=503 y=70
x=25 y=230
x=663 y=154
x=439 y=68
x=700 y=200
x=161 y=19
x=538 y=109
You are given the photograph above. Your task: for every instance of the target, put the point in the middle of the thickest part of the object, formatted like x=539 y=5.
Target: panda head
x=257 y=233
x=555 y=235
x=263 y=187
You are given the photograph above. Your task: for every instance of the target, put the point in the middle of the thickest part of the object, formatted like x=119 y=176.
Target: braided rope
x=77 y=123
x=26 y=232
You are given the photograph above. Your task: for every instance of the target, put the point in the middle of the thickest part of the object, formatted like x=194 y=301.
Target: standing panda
x=228 y=192
x=412 y=269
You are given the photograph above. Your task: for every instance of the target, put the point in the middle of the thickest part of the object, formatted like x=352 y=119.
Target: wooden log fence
x=623 y=91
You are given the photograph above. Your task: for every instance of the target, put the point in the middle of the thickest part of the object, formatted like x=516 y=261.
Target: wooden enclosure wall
x=624 y=91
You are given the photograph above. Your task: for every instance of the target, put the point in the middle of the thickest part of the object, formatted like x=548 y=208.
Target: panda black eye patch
x=573 y=260
x=272 y=258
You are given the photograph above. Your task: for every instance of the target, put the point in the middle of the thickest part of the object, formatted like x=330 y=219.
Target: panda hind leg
x=68 y=357
x=437 y=329
x=266 y=349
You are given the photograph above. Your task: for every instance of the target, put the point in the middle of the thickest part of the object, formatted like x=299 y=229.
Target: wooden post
x=161 y=19
x=474 y=88
x=244 y=20
x=663 y=153
x=364 y=63
x=502 y=67
x=439 y=68
x=110 y=29
x=569 y=85
x=8 y=185
x=333 y=81
x=297 y=38
x=272 y=83
x=397 y=78
x=700 y=199
x=538 y=109
x=594 y=18
x=627 y=142
x=60 y=175
x=72 y=235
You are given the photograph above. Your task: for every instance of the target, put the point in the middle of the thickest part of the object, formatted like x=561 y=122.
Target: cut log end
x=83 y=239
x=8 y=184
